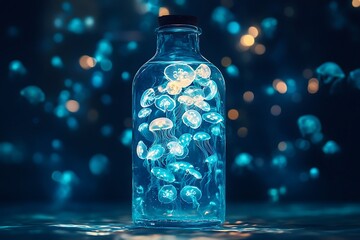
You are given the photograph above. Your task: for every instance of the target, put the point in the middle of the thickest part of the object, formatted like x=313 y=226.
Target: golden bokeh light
x=282 y=146
x=259 y=49
x=233 y=114
x=72 y=106
x=248 y=96
x=253 y=31
x=356 y=3
x=247 y=40
x=313 y=86
x=242 y=132
x=86 y=62
x=281 y=87
x=163 y=11
x=226 y=61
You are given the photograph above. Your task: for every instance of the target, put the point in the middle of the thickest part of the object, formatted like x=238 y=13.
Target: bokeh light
x=233 y=114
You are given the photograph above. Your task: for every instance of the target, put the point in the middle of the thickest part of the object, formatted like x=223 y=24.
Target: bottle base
x=146 y=223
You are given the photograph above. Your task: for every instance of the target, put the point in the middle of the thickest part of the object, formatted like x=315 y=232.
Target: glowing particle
x=233 y=114
x=309 y=125
x=248 y=96
x=175 y=148
x=281 y=87
x=355 y=3
x=259 y=49
x=186 y=100
x=98 y=164
x=141 y=150
x=253 y=31
x=86 y=62
x=201 y=136
x=163 y=174
x=331 y=147
x=159 y=124
x=314 y=172
x=275 y=110
x=232 y=70
x=9 y=153
x=191 y=194
x=185 y=139
x=76 y=26
x=165 y=103
x=242 y=132
x=155 y=152
x=167 y=194
x=56 y=144
x=106 y=130
x=56 y=62
x=106 y=64
x=147 y=98
x=72 y=106
x=210 y=90
x=212 y=117
x=97 y=79
x=183 y=74
x=268 y=26
x=89 y=21
x=16 y=67
x=126 y=137
x=243 y=160
x=144 y=112
x=247 y=40
x=163 y=11
x=313 y=86
x=106 y=99
x=125 y=76
x=132 y=45
x=221 y=16
x=202 y=105
x=203 y=71
x=33 y=94
x=233 y=27
x=192 y=118
x=273 y=194
x=282 y=146
x=279 y=161
x=72 y=123
x=329 y=72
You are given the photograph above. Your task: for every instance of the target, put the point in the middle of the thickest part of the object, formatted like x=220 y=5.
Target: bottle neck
x=178 y=40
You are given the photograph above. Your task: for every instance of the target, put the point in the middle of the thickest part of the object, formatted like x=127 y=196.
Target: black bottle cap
x=177 y=19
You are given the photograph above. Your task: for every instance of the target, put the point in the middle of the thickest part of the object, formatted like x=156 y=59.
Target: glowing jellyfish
x=175 y=148
x=201 y=140
x=331 y=147
x=186 y=100
x=329 y=72
x=144 y=112
x=196 y=93
x=215 y=130
x=201 y=136
x=176 y=166
x=98 y=164
x=144 y=130
x=155 y=152
x=203 y=71
x=354 y=78
x=202 y=105
x=165 y=103
x=147 y=98
x=196 y=174
x=173 y=88
x=191 y=194
x=210 y=90
x=163 y=174
x=212 y=117
x=33 y=94
x=141 y=150
x=167 y=194
x=161 y=129
x=16 y=67
x=183 y=74
x=192 y=118
x=185 y=139
x=308 y=125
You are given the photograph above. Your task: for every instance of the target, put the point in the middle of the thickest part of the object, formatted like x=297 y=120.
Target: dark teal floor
x=244 y=221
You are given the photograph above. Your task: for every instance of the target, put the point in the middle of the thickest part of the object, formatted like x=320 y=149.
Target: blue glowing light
x=106 y=64
x=56 y=144
x=60 y=111
x=221 y=16
x=329 y=72
x=104 y=48
x=243 y=160
x=273 y=194
x=269 y=90
x=38 y=158
x=67 y=177
x=98 y=164
x=58 y=37
x=64 y=96
x=233 y=27
x=302 y=144
x=16 y=67
x=56 y=62
x=72 y=123
x=180 y=2
x=106 y=130
x=132 y=45
x=33 y=94
x=106 y=99
x=308 y=125
x=89 y=21
x=97 y=79
x=331 y=147
x=268 y=26
x=232 y=70
x=55 y=158
x=314 y=172
x=317 y=137
x=279 y=161
x=291 y=85
x=354 y=78
x=9 y=153
x=76 y=26
x=66 y=7
x=125 y=76
x=126 y=137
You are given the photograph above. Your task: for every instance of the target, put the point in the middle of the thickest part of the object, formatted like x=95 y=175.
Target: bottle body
x=178 y=144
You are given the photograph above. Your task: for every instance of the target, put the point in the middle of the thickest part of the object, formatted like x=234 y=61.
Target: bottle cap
x=177 y=19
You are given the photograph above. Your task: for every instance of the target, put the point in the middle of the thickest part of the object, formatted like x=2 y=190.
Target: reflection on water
x=244 y=222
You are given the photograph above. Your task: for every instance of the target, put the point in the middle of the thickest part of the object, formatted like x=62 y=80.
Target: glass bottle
x=178 y=153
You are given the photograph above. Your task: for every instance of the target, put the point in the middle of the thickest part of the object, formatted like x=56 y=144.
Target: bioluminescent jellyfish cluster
x=178 y=139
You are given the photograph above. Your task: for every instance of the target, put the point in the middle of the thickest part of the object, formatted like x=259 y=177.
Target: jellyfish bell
x=181 y=73
x=202 y=105
x=196 y=174
x=215 y=130
x=144 y=112
x=212 y=117
x=210 y=90
x=175 y=148
x=141 y=150
x=163 y=174
x=329 y=72
x=144 y=130
x=201 y=136
x=191 y=194
x=185 y=139
x=165 y=103
x=196 y=93
x=211 y=160
x=176 y=166
x=159 y=124
x=192 y=119
x=203 y=71
x=155 y=152
x=147 y=98
x=33 y=94
x=167 y=194
x=173 y=88
x=309 y=125
x=186 y=100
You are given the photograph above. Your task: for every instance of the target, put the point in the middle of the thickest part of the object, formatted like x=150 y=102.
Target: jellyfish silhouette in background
x=167 y=194
x=33 y=94
x=354 y=79
x=145 y=132
x=192 y=119
x=147 y=98
x=330 y=73
x=309 y=125
x=191 y=194
x=16 y=67
x=181 y=73
x=331 y=147
x=268 y=26
x=98 y=164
